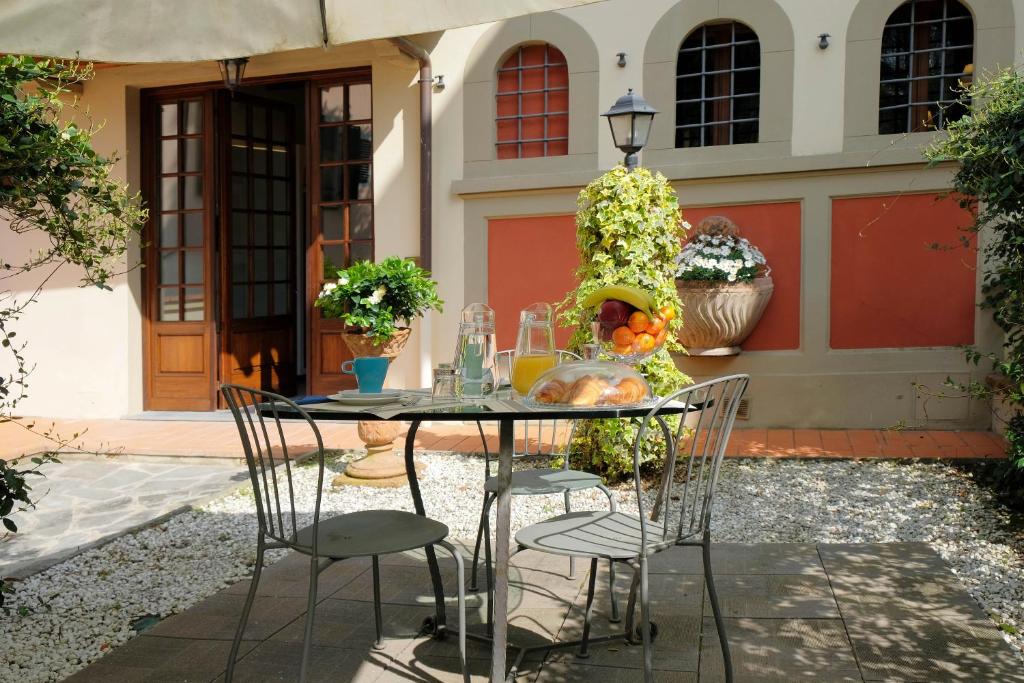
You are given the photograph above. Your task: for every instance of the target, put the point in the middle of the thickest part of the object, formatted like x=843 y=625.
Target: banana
x=635 y=297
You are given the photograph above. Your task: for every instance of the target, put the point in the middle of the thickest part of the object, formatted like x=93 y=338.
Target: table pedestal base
x=381 y=468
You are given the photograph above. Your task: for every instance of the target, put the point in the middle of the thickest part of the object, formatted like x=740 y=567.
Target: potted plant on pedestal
x=377 y=302
x=724 y=284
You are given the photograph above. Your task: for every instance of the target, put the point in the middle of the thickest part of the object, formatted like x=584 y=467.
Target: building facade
x=813 y=151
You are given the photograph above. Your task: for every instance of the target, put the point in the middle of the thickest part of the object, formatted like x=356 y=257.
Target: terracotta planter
x=361 y=345
x=719 y=316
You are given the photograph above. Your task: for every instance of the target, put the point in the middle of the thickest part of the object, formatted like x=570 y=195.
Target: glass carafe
x=535 y=347
x=474 y=352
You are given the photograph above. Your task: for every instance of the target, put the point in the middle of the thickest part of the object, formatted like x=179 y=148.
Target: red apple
x=614 y=313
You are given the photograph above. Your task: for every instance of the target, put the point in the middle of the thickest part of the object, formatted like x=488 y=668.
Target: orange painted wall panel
x=529 y=259
x=775 y=230
x=889 y=289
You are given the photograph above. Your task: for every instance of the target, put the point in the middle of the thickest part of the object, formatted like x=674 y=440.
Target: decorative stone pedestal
x=381 y=467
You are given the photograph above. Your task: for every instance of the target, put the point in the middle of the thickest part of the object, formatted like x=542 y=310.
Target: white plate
x=354 y=398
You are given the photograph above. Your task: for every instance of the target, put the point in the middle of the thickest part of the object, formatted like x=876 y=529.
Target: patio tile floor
x=794 y=612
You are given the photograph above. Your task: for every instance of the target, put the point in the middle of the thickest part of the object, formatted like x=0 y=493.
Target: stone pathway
x=826 y=612
x=86 y=500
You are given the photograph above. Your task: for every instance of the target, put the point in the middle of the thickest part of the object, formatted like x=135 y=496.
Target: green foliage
x=15 y=489
x=628 y=232
x=989 y=146
x=374 y=298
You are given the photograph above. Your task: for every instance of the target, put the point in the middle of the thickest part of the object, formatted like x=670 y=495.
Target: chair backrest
x=258 y=416
x=694 y=447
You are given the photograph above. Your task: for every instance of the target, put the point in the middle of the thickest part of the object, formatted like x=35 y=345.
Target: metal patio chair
x=632 y=539
x=534 y=482
x=367 y=533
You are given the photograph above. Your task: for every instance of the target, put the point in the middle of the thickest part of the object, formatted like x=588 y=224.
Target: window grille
x=718 y=86
x=533 y=103
x=927 y=52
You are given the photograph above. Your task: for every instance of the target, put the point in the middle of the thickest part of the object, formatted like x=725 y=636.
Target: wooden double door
x=238 y=246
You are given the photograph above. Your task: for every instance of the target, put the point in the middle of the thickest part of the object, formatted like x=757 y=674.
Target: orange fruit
x=668 y=313
x=638 y=322
x=623 y=336
x=645 y=342
x=622 y=350
x=659 y=339
x=656 y=326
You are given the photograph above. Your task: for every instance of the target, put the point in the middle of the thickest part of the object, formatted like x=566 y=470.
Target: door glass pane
x=359 y=101
x=168 y=193
x=169 y=268
x=281 y=299
x=239 y=126
x=193 y=117
x=330 y=143
x=239 y=192
x=359 y=182
x=280 y=160
x=193 y=192
x=331 y=224
x=362 y=251
x=169 y=156
x=282 y=231
x=260 y=189
x=193 y=155
x=259 y=122
x=169 y=304
x=193 y=267
x=193 y=229
x=193 y=303
x=260 y=300
x=360 y=221
x=332 y=103
x=280 y=195
x=240 y=301
x=280 y=264
x=239 y=228
x=239 y=265
x=239 y=155
x=333 y=260
x=330 y=184
x=260 y=229
x=280 y=127
x=360 y=146
x=259 y=158
x=260 y=265
x=169 y=230
x=169 y=119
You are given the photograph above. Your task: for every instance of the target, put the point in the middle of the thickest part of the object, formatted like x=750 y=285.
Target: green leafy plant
x=988 y=143
x=628 y=232
x=15 y=489
x=376 y=298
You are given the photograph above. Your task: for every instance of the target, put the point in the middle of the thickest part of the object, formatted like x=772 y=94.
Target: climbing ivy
x=628 y=232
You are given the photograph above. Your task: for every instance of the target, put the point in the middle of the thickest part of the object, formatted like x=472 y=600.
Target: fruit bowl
x=627 y=324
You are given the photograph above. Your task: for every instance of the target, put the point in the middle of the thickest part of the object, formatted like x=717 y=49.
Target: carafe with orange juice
x=535 y=347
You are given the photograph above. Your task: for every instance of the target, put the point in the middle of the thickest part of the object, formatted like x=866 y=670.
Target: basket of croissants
x=584 y=384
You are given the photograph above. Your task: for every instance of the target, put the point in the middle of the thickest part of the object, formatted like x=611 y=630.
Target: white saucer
x=353 y=397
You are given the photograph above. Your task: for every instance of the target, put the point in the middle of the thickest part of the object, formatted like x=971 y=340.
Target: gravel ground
x=69 y=615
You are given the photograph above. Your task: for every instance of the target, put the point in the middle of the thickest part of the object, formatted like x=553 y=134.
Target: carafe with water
x=474 y=352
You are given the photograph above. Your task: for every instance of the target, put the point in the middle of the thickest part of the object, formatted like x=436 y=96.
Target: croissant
x=628 y=390
x=552 y=391
x=586 y=391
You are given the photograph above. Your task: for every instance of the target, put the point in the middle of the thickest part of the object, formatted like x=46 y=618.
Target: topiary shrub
x=628 y=232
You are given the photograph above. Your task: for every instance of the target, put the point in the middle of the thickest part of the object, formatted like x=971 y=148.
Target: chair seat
x=541 y=481
x=590 y=533
x=372 y=532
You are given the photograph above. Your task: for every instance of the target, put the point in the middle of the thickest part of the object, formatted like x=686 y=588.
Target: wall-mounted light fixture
x=439 y=83
x=622 y=58
x=823 y=40
x=231 y=70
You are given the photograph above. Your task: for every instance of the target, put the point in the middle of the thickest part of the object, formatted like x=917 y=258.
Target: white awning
x=198 y=30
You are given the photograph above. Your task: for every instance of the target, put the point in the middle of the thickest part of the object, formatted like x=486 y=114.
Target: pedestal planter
x=719 y=316
x=362 y=345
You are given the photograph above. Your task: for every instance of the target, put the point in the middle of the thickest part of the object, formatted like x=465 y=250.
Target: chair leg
x=307 y=637
x=249 y=598
x=378 y=621
x=591 y=585
x=631 y=604
x=645 y=622
x=572 y=560
x=479 y=537
x=715 y=608
x=614 y=618
x=460 y=568
x=489 y=574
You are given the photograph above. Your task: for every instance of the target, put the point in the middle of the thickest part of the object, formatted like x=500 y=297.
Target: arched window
x=927 y=50
x=533 y=103
x=718 y=86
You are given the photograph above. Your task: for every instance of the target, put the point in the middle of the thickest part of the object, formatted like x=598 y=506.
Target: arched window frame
x=704 y=119
x=907 y=70
x=532 y=102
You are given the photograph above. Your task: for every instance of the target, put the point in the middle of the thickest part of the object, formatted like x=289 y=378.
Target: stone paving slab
x=87 y=500
x=781 y=626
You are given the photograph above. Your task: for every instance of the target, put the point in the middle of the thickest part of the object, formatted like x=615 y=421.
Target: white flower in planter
x=378 y=295
x=720 y=258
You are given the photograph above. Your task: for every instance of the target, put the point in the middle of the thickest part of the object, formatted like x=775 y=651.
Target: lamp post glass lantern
x=231 y=70
x=630 y=119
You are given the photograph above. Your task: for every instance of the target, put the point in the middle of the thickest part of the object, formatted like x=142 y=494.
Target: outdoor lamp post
x=231 y=71
x=630 y=119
